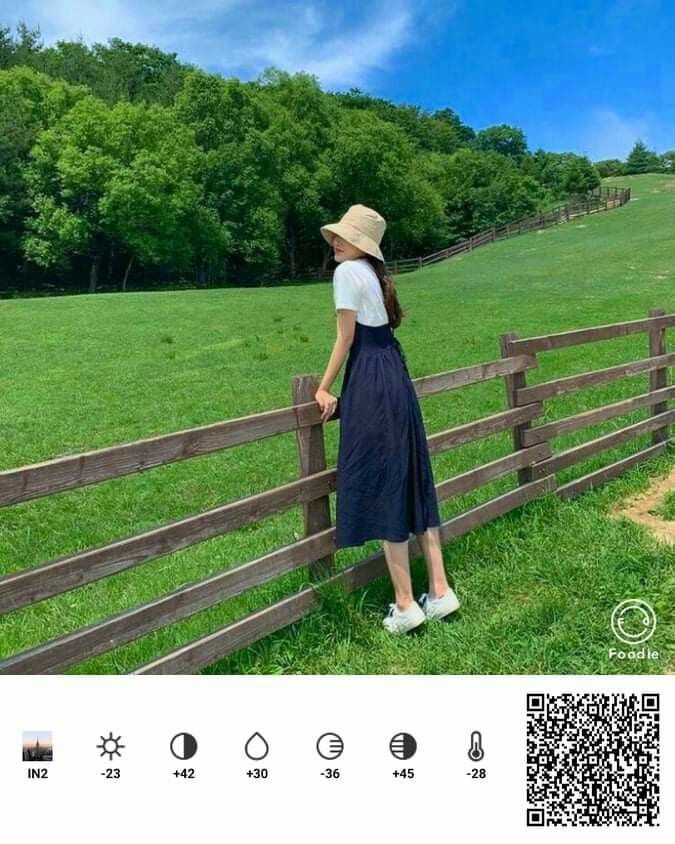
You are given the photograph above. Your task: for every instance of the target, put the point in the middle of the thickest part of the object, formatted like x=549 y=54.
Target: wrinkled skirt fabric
x=384 y=486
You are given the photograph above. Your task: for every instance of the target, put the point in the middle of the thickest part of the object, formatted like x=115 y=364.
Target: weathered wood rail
x=532 y=458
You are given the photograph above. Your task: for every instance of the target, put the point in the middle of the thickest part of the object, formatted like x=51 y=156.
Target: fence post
x=312 y=459
x=512 y=383
x=658 y=377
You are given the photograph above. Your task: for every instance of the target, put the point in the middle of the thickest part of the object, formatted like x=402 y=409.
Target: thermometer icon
x=476 y=752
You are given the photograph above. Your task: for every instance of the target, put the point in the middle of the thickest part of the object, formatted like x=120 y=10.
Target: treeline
x=121 y=165
x=639 y=160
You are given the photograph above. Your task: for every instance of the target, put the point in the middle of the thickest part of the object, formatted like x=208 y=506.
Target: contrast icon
x=403 y=746
x=256 y=747
x=110 y=745
x=329 y=746
x=183 y=746
x=633 y=621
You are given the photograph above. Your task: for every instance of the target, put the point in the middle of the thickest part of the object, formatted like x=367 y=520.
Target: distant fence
x=532 y=458
x=601 y=199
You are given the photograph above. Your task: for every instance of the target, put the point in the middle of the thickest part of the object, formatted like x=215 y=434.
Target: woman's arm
x=346 y=321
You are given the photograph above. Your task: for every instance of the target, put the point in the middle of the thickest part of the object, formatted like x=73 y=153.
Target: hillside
x=83 y=372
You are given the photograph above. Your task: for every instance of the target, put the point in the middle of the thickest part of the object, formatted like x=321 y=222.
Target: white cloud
x=609 y=134
x=241 y=37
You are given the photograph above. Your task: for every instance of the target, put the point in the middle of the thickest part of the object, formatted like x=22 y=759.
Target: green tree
x=642 y=160
x=440 y=131
x=610 y=167
x=561 y=173
x=504 y=139
x=128 y=175
x=579 y=177
x=301 y=117
x=668 y=161
x=484 y=189
x=231 y=122
x=29 y=102
x=373 y=162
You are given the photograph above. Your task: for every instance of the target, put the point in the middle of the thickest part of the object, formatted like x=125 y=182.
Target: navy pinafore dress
x=384 y=486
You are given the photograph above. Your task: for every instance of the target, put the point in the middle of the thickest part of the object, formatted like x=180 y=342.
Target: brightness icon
x=110 y=745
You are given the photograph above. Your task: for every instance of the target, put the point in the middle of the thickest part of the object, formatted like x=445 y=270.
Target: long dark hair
x=391 y=303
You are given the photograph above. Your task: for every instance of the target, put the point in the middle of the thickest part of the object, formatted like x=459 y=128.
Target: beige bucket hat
x=360 y=226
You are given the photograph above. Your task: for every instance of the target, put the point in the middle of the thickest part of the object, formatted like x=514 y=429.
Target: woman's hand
x=327 y=404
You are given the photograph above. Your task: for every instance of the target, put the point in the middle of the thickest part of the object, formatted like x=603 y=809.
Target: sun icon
x=110 y=745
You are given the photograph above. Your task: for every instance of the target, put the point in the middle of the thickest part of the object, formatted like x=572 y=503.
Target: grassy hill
x=538 y=585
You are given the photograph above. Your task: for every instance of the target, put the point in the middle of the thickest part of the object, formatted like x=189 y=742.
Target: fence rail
x=532 y=458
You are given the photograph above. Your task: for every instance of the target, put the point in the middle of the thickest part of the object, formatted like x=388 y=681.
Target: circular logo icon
x=633 y=621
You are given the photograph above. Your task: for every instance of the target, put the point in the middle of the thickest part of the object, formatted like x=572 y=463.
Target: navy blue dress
x=384 y=486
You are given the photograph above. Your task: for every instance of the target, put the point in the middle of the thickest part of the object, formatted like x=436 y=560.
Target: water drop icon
x=256 y=747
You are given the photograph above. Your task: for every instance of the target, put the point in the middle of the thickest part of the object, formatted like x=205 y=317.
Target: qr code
x=592 y=759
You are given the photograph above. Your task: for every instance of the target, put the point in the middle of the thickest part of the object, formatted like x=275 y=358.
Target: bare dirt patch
x=638 y=509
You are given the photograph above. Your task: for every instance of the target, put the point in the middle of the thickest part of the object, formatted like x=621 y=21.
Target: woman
x=385 y=487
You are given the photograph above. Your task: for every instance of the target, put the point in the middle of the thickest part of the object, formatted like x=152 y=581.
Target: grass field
x=538 y=585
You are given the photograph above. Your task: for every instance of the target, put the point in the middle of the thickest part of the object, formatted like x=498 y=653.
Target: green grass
x=666 y=509
x=537 y=585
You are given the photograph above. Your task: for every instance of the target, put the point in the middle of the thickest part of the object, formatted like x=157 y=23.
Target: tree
x=130 y=175
x=504 y=139
x=440 y=131
x=579 y=177
x=231 y=122
x=561 y=173
x=642 y=160
x=29 y=102
x=373 y=162
x=484 y=189
x=668 y=161
x=299 y=131
x=610 y=167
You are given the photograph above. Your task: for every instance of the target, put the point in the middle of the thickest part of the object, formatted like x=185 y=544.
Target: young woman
x=385 y=487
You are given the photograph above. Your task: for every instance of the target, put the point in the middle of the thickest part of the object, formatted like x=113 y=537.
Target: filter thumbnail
x=37 y=746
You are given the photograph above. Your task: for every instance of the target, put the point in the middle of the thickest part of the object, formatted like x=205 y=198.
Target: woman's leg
x=398 y=562
x=430 y=542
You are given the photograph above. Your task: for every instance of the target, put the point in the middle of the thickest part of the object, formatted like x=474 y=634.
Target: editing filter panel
x=267 y=757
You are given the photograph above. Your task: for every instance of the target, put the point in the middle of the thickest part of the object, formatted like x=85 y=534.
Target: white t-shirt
x=357 y=288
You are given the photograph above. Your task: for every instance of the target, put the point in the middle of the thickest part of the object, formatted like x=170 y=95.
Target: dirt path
x=638 y=508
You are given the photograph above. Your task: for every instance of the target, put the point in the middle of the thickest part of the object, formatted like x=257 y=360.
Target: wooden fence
x=532 y=458
x=602 y=199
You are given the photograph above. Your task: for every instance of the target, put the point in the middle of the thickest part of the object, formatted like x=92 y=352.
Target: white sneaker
x=439 y=607
x=401 y=621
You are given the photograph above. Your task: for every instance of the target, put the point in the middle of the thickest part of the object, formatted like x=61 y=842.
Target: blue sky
x=588 y=76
